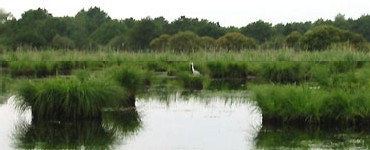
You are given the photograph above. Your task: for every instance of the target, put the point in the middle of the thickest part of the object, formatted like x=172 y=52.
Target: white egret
x=195 y=72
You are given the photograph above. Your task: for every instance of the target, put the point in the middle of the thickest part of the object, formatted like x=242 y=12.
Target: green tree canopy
x=184 y=41
x=260 y=30
x=235 y=41
x=142 y=33
x=161 y=42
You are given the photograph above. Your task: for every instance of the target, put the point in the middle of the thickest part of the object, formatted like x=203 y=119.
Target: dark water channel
x=222 y=120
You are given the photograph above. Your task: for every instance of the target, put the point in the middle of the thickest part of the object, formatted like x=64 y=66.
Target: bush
x=322 y=37
x=61 y=42
x=119 y=42
x=207 y=43
x=161 y=42
x=184 y=41
x=292 y=40
x=235 y=41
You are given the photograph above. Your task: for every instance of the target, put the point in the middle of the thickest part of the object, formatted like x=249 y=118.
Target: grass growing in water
x=302 y=104
x=132 y=79
x=68 y=99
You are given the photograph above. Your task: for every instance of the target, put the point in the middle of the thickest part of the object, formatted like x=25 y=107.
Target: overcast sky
x=227 y=12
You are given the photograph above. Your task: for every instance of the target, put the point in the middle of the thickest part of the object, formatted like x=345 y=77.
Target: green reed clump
x=192 y=82
x=68 y=99
x=29 y=68
x=222 y=69
x=312 y=105
x=157 y=66
x=284 y=72
x=40 y=68
x=132 y=78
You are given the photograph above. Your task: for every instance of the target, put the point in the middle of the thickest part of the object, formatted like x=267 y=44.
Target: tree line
x=93 y=29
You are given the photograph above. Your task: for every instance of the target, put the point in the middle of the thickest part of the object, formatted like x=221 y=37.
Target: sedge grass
x=302 y=104
x=68 y=99
x=337 y=54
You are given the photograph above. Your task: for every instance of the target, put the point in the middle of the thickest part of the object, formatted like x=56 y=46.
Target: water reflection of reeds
x=313 y=137
x=105 y=134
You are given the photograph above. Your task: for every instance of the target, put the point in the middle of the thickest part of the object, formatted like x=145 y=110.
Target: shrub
x=292 y=40
x=161 y=42
x=207 y=43
x=184 y=41
x=235 y=41
x=119 y=42
x=322 y=37
x=62 y=42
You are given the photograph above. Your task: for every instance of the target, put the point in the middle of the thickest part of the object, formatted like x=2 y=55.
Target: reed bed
x=337 y=54
x=304 y=104
x=68 y=99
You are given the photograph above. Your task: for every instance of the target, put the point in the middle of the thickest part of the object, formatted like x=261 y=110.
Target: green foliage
x=142 y=33
x=132 y=79
x=68 y=99
x=361 y=26
x=119 y=42
x=29 y=38
x=61 y=42
x=284 y=72
x=184 y=41
x=227 y=70
x=207 y=43
x=276 y=42
x=259 y=30
x=160 y=43
x=107 y=31
x=190 y=81
x=322 y=37
x=235 y=41
x=292 y=40
x=307 y=105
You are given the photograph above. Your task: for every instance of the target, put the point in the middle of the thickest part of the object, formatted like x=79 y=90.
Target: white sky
x=227 y=12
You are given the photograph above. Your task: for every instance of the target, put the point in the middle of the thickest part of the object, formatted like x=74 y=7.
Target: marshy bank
x=158 y=121
x=312 y=92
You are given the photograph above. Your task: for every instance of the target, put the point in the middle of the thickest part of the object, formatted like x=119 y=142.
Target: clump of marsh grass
x=192 y=82
x=302 y=104
x=133 y=79
x=68 y=99
x=284 y=72
x=222 y=69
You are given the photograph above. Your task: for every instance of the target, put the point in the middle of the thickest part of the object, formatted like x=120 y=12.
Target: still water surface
x=174 y=121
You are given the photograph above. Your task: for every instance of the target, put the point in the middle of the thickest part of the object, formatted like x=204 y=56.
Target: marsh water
x=173 y=120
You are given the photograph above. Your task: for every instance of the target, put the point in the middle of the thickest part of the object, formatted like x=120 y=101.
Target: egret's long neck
x=192 y=67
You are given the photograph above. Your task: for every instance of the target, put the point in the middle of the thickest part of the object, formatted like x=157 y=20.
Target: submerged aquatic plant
x=68 y=99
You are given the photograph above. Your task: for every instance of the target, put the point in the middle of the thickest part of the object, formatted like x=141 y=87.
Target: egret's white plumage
x=195 y=72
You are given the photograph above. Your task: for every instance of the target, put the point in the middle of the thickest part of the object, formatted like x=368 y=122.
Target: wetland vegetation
x=82 y=77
